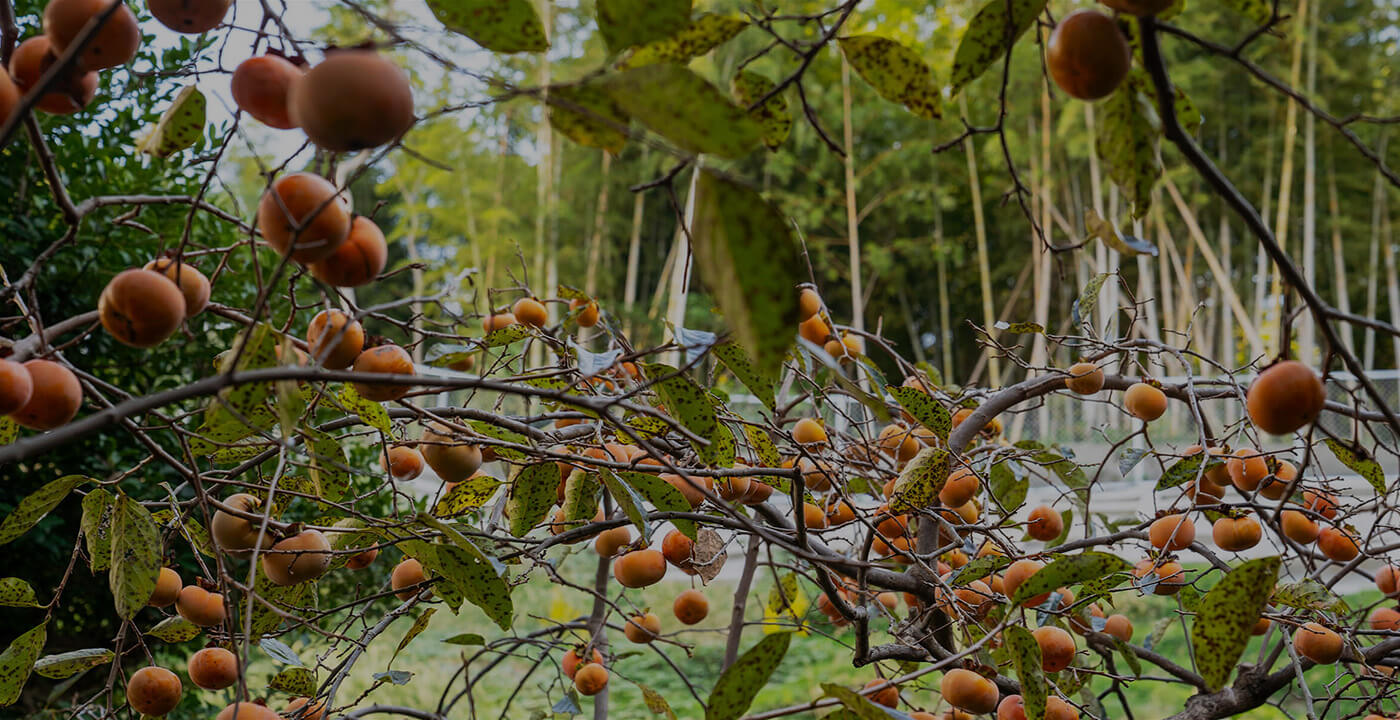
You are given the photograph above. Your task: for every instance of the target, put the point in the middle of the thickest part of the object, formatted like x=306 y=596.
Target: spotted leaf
x=1226 y=616
x=663 y=496
x=136 y=556
x=17 y=662
x=1026 y=656
x=35 y=506
x=773 y=116
x=740 y=682
x=924 y=408
x=625 y=23
x=707 y=122
x=65 y=665
x=1129 y=132
x=174 y=629
x=702 y=35
x=533 y=491
x=896 y=72
x=466 y=496
x=921 y=480
x=96 y=525
x=504 y=26
x=989 y=35
x=15 y=592
x=297 y=681
x=738 y=362
x=586 y=114
x=1069 y=570
x=179 y=127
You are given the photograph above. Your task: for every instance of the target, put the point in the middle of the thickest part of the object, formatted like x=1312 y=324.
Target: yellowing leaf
x=773 y=115
x=699 y=37
x=179 y=126
x=896 y=72
x=706 y=122
x=988 y=36
x=504 y=26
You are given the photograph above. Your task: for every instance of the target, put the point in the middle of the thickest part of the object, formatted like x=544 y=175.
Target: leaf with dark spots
x=924 y=408
x=989 y=35
x=532 y=493
x=625 y=23
x=1358 y=459
x=857 y=704
x=17 y=662
x=96 y=525
x=774 y=115
x=419 y=625
x=174 y=629
x=896 y=72
x=626 y=498
x=370 y=412
x=36 y=505
x=692 y=406
x=1310 y=595
x=1069 y=570
x=740 y=682
x=585 y=114
x=1128 y=136
x=707 y=122
x=1186 y=469
x=921 y=480
x=702 y=35
x=65 y=665
x=978 y=569
x=505 y=26
x=15 y=592
x=475 y=574
x=179 y=127
x=1226 y=616
x=1026 y=657
x=763 y=386
x=466 y=496
x=299 y=681
x=663 y=496
x=136 y=556
x=581 y=497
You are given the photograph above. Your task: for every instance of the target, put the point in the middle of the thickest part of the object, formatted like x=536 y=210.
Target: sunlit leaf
x=179 y=127
x=505 y=26
x=989 y=35
x=896 y=72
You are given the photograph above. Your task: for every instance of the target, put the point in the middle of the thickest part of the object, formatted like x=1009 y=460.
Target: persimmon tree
x=881 y=500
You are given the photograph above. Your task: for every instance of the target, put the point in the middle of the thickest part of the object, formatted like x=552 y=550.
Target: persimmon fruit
x=352 y=100
x=190 y=17
x=1236 y=534
x=966 y=690
x=1088 y=56
x=335 y=339
x=452 y=460
x=591 y=679
x=1174 y=531
x=530 y=311
x=71 y=91
x=1285 y=397
x=194 y=286
x=167 y=590
x=1045 y=524
x=1337 y=544
x=247 y=711
x=141 y=308
x=1298 y=527
x=213 y=668
x=643 y=628
x=115 y=43
x=403 y=462
x=887 y=695
x=611 y=540
x=384 y=360
x=640 y=568
x=1056 y=647
x=691 y=607
x=153 y=691
x=261 y=86
x=1317 y=643
x=201 y=607
x=301 y=558
x=1144 y=401
x=235 y=533
x=302 y=215
x=1247 y=469
x=405 y=577
x=358 y=260
x=1084 y=378
x=16 y=387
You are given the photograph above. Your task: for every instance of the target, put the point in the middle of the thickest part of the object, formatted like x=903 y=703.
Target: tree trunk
x=680 y=269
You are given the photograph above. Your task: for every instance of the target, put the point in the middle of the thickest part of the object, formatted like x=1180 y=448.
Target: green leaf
x=693 y=407
x=327 y=468
x=627 y=499
x=9 y=430
x=663 y=496
x=18 y=661
x=921 y=480
x=34 y=507
x=1257 y=11
x=991 y=32
x=504 y=26
x=896 y=72
x=1131 y=657
x=1226 y=616
x=1128 y=136
x=296 y=681
x=1009 y=490
x=419 y=625
x=707 y=122
x=532 y=493
x=497 y=432
x=136 y=556
x=15 y=592
x=580 y=497
x=1067 y=470
x=624 y=23
x=1356 y=458
x=1089 y=296
x=507 y=335
x=773 y=116
x=474 y=573
x=585 y=114
x=745 y=249
x=784 y=594
x=763 y=447
x=763 y=386
x=979 y=568
x=858 y=704
x=65 y=665
x=466 y=496
x=702 y=35
x=372 y=413
x=179 y=127
x=924 y=408
x=96 y=525
x=469 y=639
x=174 y=629
x=740 y=682
x=1186 y=469
x=1025 y=655
x=1188 y=115
x=1069 y=570
x=1310 y=595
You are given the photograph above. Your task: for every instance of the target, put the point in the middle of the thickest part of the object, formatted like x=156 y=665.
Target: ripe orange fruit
x=677 y=548
x=1145 y=401
x=1317 y=643
x=691 y=607
x=141 y=308
x=887 y=695
x=814 y=330
x=386 y=360
x=302 y=216
x=1017 y=573
x=813 y=517
x=587 y=315
x=1298 y=527
x=55 y=398
x=809 y=303
x=1388 y=580
x=643 y=628
x=1274 y=486
x=611 y=540
x=1384 y=618
x=640 y=568
x=1172 y=532
x=352 y=100
x=1236 y=534
x=1087 y=55
x=153 y=691
x=591 y=679
x=1321 y=502
x=403 y=462
x=335 y=339
x=201 y=607
x=1337 y=544
x=261 y=87
x=492 y=323
x=1285 y=397
x=809 y=432
x=570 y=663
x=190 y=18
x=1119 y=626
x=1247 y=469
x=1045 y=524
x=71 y=92
x=300 y=558
x=969 y=691
x=898 y=442
x=16 y=387
x=1056 y=647
x=1084 y=378
x=358 y=260
x=247 y=711
x=192 y=283
x=530 y=311
x=213 y=668
x=114 y=44
x=961 y=486
x=405 y=578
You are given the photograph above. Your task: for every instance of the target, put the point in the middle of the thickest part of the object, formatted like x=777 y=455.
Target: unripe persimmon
x=261 y=87
x=961 y=485
x=403 y=462
x=1298 y=527
x=335 y=339
x=153 y=691
x=1285 y=397
x=1144 y=401
x=1172 y=532
x=247 y=711
x=530 y=311
x=969 y=691
x=611 y=540
x=71 y=91
x=356 y=261
x=1084 y=378
x=1236 y=534
x=640 y=568
x=1317 y=643
x=691 y=607
x=194 y=286
x=352 y=100
x=1045 y=524
x=1337 y=544
x=301 y=215
x=453 y=460
x=1056 y=647
x=16 y=387
x=190 y=17
x=167 y=590
x=643 y=628
x=591 y=679
x=213 y=668
x=141 y=308
x=1087 y=55
x=587 y=312
x=235 y=533
x=385 y=360
x=115 y=43
x=405 y=578
x=301 y=558
x=201 y=607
